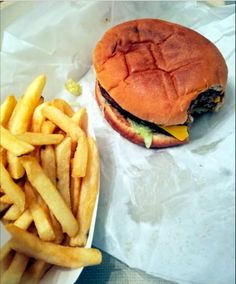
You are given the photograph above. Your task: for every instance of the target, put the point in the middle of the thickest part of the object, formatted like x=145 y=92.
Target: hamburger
x=153 y=77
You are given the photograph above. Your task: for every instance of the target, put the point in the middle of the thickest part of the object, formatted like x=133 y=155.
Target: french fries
x=12 y=213
x=15 y=270
x=40 y=138
x=6 y=199
x=81 y=119
x=5 y=250
x=63 y=155
x=3 y=206
x=6 y=109
x=88 y=195
x=6 y=255
x=51 y=196
x=63 y=121
x=3 y=156
x=41 y=219
x=63 y=106
x=57 y=230
x=24 y=242
x=75 y=194
x=12 y=189
x=48 y=161
x=79 y=162
x=49 y=176
x=25 y=220
x=48 y=127
x=20 y=119
x=38 y=118
x=14 y=166
x=35 y=272
x=16 y=146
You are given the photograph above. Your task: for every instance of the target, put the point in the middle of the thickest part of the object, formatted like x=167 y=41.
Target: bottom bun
x=119 y=123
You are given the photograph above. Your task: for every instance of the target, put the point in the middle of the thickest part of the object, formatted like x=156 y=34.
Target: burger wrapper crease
x=168 y=212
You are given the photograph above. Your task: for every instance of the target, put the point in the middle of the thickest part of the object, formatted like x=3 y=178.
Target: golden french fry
x=81 y=119
x=13 y=144
x=48 y=127
x=59 y=236
x=24 y=221
x=40 y=138
x=35 y=272
x=3 y=155
x=63 y=121
x=48 y=161
x=6 y=199
x=41 y=219
x=14 y=166
x=38 y=118
x=3 y=206
x=32 y=246
x=58 y=231
x=36 y=153
x=20 y=119
x=12 y=213
x=12 y=189
x=75 y=194
x=41 y=203
x=79 y=162
x=88 y=194
x=63 y=155
x=15 y=270
x=63 y=106
x=4 y=251
x=58 y=103
x=50 y=195
x=71 y=128
x=6 y=109
x=6 y=255
x=15 y=110
x=6 y=262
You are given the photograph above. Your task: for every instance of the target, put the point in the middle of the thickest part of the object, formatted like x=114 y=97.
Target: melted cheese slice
x=179 y=132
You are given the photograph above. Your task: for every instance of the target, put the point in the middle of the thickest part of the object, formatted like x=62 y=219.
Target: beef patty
x=205 y=102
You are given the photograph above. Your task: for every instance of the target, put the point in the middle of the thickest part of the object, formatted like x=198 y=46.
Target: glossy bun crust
x=122 y=126
x=155 y=69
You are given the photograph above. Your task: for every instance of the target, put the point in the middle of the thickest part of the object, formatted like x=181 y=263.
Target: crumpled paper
x=168 y=212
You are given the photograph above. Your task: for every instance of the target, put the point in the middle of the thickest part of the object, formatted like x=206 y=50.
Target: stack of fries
x=49 y=181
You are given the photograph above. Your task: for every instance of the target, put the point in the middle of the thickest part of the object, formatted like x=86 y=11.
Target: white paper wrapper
x=168 y=212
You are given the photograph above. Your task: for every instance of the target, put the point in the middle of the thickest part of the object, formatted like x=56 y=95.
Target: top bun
x=154 y=69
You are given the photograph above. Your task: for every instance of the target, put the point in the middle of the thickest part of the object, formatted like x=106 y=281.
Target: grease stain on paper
x=151 y=190
x=144 y=214
x=205 y=149
x=226 y=172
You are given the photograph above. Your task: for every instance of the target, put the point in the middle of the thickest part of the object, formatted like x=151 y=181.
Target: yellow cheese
x=179 y=132
x=217 y=99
